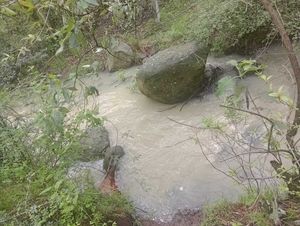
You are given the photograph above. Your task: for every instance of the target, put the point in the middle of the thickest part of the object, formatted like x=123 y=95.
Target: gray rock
x=213 y=70
x=86 y=174
x=94 y=142
x=120 y=56
x=296 y=222
x=175 y=74
x=112 y=157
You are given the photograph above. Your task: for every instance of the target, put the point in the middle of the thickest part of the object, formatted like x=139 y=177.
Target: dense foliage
x=231 y=25
x=35 y=38
x=35 y=154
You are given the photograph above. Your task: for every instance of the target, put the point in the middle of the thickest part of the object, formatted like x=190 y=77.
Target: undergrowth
x=250 y=210
x=226 y=25
x=35 y=154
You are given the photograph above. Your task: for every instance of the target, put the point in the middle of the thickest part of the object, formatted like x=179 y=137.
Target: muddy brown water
x=164 y=169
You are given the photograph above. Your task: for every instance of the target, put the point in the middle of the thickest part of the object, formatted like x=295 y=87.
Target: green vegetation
x=251 y=211
x=35 y=155
x=255 y=208
x=47 y=46
x=227 y=25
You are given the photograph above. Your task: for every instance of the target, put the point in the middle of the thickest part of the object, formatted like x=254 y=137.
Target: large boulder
x=94 y=143
x=120 y=56
x=175 y=74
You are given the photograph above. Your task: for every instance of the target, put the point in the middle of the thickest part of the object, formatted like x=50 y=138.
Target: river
x=164 y=168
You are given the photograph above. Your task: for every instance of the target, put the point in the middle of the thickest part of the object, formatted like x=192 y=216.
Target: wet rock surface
x=94 y=142
x=174 y=74
x=85 y=174
x=121 y=56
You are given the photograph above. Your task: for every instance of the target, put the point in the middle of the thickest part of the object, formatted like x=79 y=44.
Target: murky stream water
x=164 y=169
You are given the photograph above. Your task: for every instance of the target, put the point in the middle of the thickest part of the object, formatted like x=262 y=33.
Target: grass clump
x=235 y=214
x=252 y=210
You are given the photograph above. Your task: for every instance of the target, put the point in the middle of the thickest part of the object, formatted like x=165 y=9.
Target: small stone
x=297 y=222
x=94 y=143
x=120 y=57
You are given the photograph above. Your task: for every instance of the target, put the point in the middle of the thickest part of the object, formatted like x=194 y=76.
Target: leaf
x=73 y=43
x=58 y=184
x=67 y=31
x=60 y=50
x=82 y=5
x=66 y=94
x=64 y=110
x=287 y=100
x=224 y=85
x=46 y=190
x=233 y=62
x=249 y=68
x=58 y=117
x=7 y=11
x=27 y=4
x=72 y=88
x=92 y=2
x=274 y=94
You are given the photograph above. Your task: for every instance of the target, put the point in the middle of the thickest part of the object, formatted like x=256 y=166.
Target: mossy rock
x=174 y=74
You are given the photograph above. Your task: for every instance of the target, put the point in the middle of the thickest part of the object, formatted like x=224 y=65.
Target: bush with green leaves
x=272 y=143
x=35 y=154
x=233 y=25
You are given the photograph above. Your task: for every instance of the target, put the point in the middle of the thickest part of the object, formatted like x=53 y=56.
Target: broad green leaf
x=233 y=62
x=224 y=84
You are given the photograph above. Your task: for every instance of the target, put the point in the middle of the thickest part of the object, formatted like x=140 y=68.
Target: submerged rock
x=94 y=142
x=86 y=174
x=174 y=74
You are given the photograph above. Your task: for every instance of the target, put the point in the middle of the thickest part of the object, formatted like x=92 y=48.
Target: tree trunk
x=157 y=11
x=276 y=19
